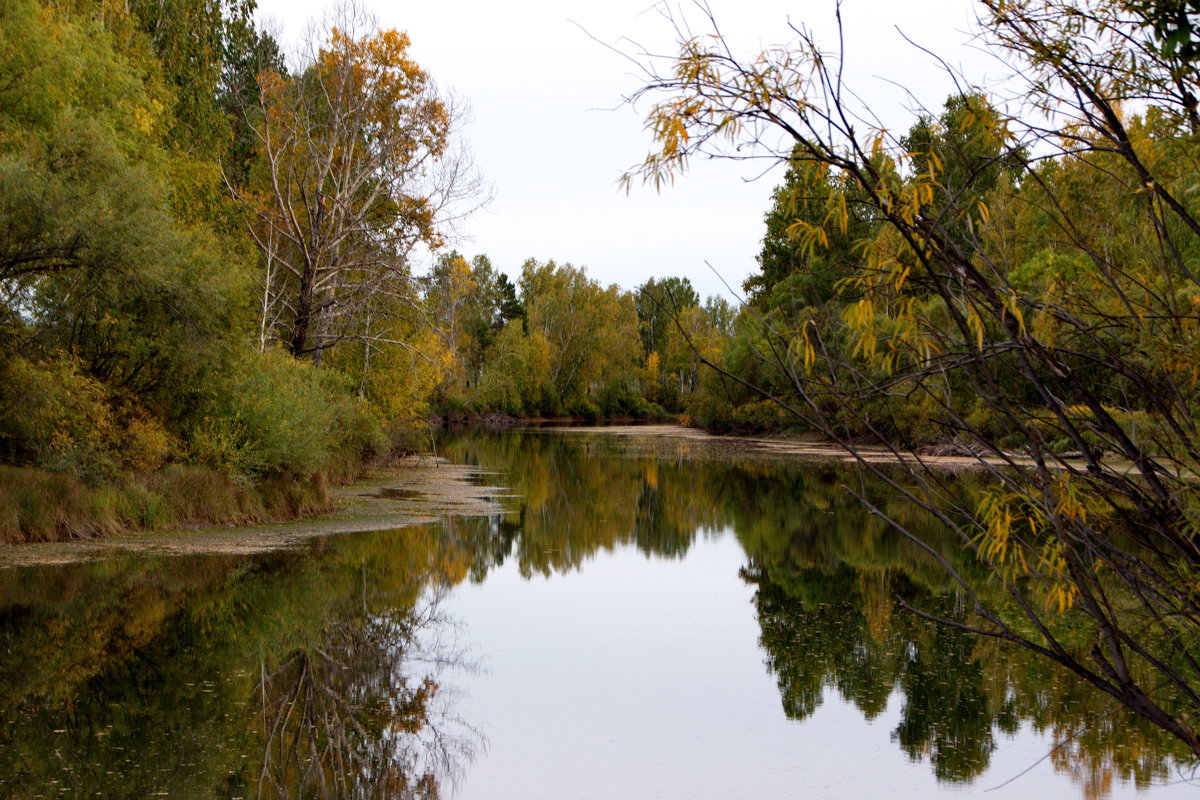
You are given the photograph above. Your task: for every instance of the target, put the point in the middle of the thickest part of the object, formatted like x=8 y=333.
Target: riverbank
x=411 y=490
x=415 y=490
x=41 y=506
x=682 y=441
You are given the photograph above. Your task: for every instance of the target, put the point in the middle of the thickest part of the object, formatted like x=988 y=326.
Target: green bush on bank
x=54 y=416
x=273 y=435
x=272 y=415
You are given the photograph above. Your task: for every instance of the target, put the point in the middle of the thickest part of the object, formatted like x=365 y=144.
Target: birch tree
x=358 y=169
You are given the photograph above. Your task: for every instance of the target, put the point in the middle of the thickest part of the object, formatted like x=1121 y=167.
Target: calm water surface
x=635 y=625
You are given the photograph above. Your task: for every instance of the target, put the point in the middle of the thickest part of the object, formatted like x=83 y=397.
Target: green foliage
x=966 y=153
x=1173 y=23
x=272 y=415
x=54 y=415
x=814 y=231
x=189 y=41
x=566 y=345
x=658 y=302
x=125 y=286
x=515 y=380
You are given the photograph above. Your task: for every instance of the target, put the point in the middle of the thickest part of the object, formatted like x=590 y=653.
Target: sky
x=548 y=129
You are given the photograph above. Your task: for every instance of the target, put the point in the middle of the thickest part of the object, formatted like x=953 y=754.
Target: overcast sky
x=550 y=134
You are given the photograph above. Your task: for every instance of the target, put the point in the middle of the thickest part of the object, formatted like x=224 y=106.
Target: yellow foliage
x=402 y=377
x=1019 y=539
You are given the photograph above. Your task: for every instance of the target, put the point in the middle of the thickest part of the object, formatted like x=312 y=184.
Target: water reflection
x=315 y=673
x=826 y=574
x=340 y=718
x=298 y=675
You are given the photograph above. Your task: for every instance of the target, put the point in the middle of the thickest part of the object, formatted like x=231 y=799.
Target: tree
x=493 y=305
x=799 y=209
x=657 y=302
x=589 y=330
x=939 y=321
x=969 y=162
x=358 y=169
x=248 y=52
x=94 y=260
x=190 y=40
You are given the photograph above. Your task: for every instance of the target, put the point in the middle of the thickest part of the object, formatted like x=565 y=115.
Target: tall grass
x=40 y=506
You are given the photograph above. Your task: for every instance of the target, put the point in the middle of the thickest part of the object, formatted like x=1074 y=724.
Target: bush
x=358 y=437
x=582 y=408
x=54 y=416
x=274 y=415
x=762 y=415
x=618 y=401
x=37 y=505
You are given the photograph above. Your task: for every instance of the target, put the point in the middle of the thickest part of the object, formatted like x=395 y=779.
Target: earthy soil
x=676 y=440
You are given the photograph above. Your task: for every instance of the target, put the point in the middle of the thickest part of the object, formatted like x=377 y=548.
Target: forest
x=213 y=305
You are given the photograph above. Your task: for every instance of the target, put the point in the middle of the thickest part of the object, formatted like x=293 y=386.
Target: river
x=591 y=616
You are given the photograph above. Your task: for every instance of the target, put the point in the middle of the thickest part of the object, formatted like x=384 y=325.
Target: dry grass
x=41 y=506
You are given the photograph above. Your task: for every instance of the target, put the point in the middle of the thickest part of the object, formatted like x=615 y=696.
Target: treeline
x=558 y=344
x=209 y=308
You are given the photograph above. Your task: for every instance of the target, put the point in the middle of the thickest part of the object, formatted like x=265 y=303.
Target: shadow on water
x=315 y=672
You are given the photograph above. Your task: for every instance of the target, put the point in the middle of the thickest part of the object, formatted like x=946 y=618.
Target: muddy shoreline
x=424 y=489
x=695 y=442
x=413 y=491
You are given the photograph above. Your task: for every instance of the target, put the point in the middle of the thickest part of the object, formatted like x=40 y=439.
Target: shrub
x=582 y=408
x=54 y=416
x=273 y=415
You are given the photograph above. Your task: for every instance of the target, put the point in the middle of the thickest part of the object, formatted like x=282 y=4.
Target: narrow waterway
x=603 y=617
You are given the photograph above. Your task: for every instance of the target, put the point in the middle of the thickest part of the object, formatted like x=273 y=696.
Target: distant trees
x=678 y=333
x=557 y=343
x=560 y=344
x=657 y=303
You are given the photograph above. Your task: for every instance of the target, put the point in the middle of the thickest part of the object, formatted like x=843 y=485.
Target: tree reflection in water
x=302 y=674
x=342 y=718
x=826 y=575
x=825 y=629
